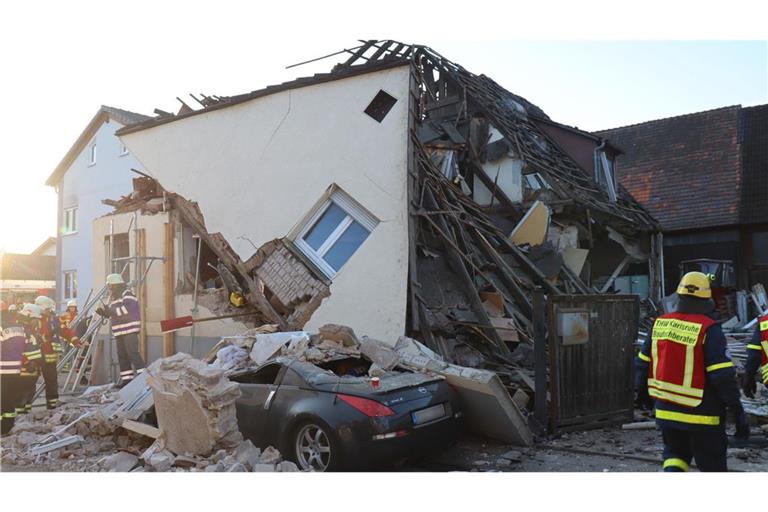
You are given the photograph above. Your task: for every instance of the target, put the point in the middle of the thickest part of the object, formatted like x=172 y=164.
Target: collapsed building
x=398 y=194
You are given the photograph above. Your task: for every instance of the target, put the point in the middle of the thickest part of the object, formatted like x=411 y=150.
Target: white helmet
x=45 y=303
x=115 y=279
x=32 y=311
x=71 y=303
x=12 y=307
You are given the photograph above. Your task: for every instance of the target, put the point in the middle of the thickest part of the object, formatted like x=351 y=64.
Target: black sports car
x=326 y=418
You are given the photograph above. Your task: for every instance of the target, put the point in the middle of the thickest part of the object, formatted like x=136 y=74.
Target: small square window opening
x=380 y=106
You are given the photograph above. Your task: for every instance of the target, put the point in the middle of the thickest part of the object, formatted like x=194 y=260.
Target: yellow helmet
x=695 y=284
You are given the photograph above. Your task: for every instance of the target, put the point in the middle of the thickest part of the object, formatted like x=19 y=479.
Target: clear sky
x=63 y=59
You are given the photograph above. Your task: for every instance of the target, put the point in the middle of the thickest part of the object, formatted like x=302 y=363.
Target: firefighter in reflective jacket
x=68 y=332
x=50 y=331
x=684 y=368
x=757 y=358
x=12 y=343
x=29 y=317
x=125 y=319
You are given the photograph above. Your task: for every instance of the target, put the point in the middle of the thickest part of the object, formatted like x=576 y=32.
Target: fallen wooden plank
x=141 y=428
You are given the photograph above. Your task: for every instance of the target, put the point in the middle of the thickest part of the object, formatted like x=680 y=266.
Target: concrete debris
x=264 y=468
x=120 y=462
x=339 y=333
x=161 y=461
x=376 y=371
x=232 y=358
x=182 y=461
x=287 y=467
x=266 y=346
x=100 y=446
x=247 y=454
x=195 y=405
x=513 y=456
x=270 y=456
x=379 y=353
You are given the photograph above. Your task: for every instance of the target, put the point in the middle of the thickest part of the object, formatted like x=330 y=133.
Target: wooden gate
x=590 y=358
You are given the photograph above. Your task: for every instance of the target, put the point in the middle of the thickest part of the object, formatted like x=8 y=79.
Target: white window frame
x=123 y=149
x=69 y=221
x=92 y=154
x=354 y=212
x=69 y=275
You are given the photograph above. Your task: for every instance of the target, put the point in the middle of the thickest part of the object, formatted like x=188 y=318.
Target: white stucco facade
x=83 y=186
x=257 y=169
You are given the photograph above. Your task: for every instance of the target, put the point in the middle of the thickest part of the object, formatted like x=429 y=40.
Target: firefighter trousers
x=128 y=356
x=10 y=389
x=51 y=379
x=28 y=383
x=708 y=449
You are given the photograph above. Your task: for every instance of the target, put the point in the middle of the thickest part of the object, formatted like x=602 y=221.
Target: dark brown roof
x=685 y=170
x=754 y=162
x=27 y=267
x=104 y=113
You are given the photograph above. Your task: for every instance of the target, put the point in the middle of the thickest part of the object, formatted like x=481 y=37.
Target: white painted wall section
x=256 y=169
x=85 y=185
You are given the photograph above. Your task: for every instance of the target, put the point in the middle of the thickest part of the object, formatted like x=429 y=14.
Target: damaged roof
x=513 y=115
x=698 y=170
x=104 y=114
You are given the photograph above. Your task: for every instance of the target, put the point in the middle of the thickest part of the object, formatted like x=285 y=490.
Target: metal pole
x=194 y=290
x=540 y=357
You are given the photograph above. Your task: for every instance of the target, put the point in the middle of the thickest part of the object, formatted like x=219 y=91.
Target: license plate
x=428 y=414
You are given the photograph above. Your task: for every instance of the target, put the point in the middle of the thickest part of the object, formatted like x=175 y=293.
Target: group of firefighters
x=32 y=339
x=682 y=370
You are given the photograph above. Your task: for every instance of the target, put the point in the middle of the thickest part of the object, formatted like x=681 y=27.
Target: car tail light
x=368 y=407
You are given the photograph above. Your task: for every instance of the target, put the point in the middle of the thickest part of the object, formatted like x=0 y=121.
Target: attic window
x=92 y=154
x=380 y=106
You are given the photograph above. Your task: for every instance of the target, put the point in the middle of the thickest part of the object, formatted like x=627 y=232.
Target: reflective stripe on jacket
x=757 y=351
x=124 y=314
x=12 y=343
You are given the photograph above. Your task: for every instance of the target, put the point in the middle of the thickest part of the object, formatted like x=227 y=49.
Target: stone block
x=120 y=462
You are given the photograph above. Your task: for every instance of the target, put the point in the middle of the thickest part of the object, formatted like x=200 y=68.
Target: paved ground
x=604 y=450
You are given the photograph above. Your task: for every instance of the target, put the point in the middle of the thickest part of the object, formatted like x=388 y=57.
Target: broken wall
x=257 y=170
x=152 y=302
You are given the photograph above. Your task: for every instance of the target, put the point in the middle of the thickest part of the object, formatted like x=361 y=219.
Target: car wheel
x=315 y=448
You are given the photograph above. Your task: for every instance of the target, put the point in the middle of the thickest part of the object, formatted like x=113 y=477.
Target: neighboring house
x=25 y=276
x=704 y=177
x=47 y=248
x=97 y=166
x=382 y=195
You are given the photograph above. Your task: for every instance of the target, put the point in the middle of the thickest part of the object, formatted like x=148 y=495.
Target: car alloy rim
x=313 y=448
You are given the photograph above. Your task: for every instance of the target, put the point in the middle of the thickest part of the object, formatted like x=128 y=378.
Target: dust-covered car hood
x=327 y=380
